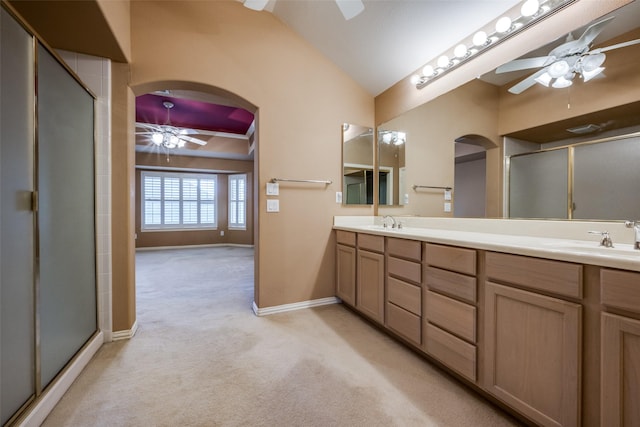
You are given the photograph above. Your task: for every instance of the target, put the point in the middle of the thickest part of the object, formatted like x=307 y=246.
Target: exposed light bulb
x=415 y=79
x=480 y=38
x=530 y=8
x=157 y=138
x=503 y=24
x=386 y=137
x=460 y=51
x=443 y=61
x=428 y=71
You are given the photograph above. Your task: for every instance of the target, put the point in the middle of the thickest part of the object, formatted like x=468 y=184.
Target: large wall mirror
x=357 y=165
x=592 y=113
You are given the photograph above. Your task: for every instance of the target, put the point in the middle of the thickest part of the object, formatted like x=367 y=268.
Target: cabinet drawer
x=450 y=283
x=620 y=289
x=405 y=295
x=453 y=352
x=407 y=270
x=451 y=258
x=558 y=277
x=402 y=248
x=371 y=242
x=451 y=315
x=346 y=237
x=405 y=323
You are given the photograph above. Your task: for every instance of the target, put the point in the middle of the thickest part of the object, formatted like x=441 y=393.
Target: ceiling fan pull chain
x=569 y=98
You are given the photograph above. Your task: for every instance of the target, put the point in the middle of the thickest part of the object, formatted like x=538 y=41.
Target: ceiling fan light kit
x=167 y=136
x=570 y=59
x=516 y=20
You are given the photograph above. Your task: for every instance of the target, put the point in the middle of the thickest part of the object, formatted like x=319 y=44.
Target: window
x=178 y=201
x=238 y=201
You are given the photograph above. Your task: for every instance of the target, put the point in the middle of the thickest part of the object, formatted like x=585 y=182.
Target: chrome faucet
x=636 y=226
x=606 y=238
x=384 y=221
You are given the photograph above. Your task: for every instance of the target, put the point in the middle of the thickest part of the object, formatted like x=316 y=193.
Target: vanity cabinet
x=346 y=266
x=449 y=321
x=620 y=349
x=532 y=342
x=404 y=292
x=370 y=276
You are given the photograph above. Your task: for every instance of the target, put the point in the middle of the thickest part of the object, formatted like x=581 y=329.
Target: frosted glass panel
x=17 y=352
x=607 y=180
x=538 y=185
x=66 y=215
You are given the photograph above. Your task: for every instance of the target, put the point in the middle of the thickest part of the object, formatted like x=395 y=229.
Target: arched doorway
x=217 y=155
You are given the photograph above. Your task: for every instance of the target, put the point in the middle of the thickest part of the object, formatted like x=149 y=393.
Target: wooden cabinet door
x=620 y=384
x=370 y=285
x=346 y=274
x=532 y=354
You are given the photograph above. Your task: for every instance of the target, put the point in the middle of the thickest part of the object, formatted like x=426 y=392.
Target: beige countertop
x=551 y=245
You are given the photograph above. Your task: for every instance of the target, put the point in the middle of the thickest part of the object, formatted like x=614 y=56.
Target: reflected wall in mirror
x=538 y=118
x=391 y=167
x=357 y=165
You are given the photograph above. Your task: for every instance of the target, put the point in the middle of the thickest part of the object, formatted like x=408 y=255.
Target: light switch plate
x=273 y=189
x=447 y=194
x=447 y=207
x=406 y=199
x=273 y=205
x=338 y=196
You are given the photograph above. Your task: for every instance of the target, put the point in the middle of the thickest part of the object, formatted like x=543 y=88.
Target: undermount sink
x=595 y=248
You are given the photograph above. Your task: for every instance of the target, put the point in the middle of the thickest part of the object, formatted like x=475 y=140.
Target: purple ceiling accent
x=191 y=114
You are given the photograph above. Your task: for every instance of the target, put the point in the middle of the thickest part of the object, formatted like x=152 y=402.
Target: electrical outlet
x=222 y=232
x=447 y=194
x=338 y=196
x=447 y=207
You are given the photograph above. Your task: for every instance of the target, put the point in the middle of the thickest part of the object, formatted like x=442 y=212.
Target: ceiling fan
x=349 y=8
x=168 y=136
x=570 y=59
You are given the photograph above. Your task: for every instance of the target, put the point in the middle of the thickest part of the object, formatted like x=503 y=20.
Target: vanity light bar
x=531 y=12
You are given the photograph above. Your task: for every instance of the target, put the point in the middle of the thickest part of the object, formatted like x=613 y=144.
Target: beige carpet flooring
x=202 y=358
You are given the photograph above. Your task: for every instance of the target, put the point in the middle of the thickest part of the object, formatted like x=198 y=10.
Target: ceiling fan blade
x=148 y=126
x=185 y=131
x=350 y=8
x=256 y=4
x=193 y=140
x=525 y=84
x=616 y=46
x=592 y=32
x=524 y=64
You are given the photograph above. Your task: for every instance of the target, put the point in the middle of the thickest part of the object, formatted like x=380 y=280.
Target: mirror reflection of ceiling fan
x=349 y=8
x=168 y=136
x=565 y=62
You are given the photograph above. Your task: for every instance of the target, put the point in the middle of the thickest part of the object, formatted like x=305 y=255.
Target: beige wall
x=122 y=199
x=302 y=101
x=222 y=168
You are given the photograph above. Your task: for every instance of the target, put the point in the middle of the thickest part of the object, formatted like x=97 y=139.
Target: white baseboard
x=210 y=245
x=294 y=306
x=126 y=334
x=52 y=396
